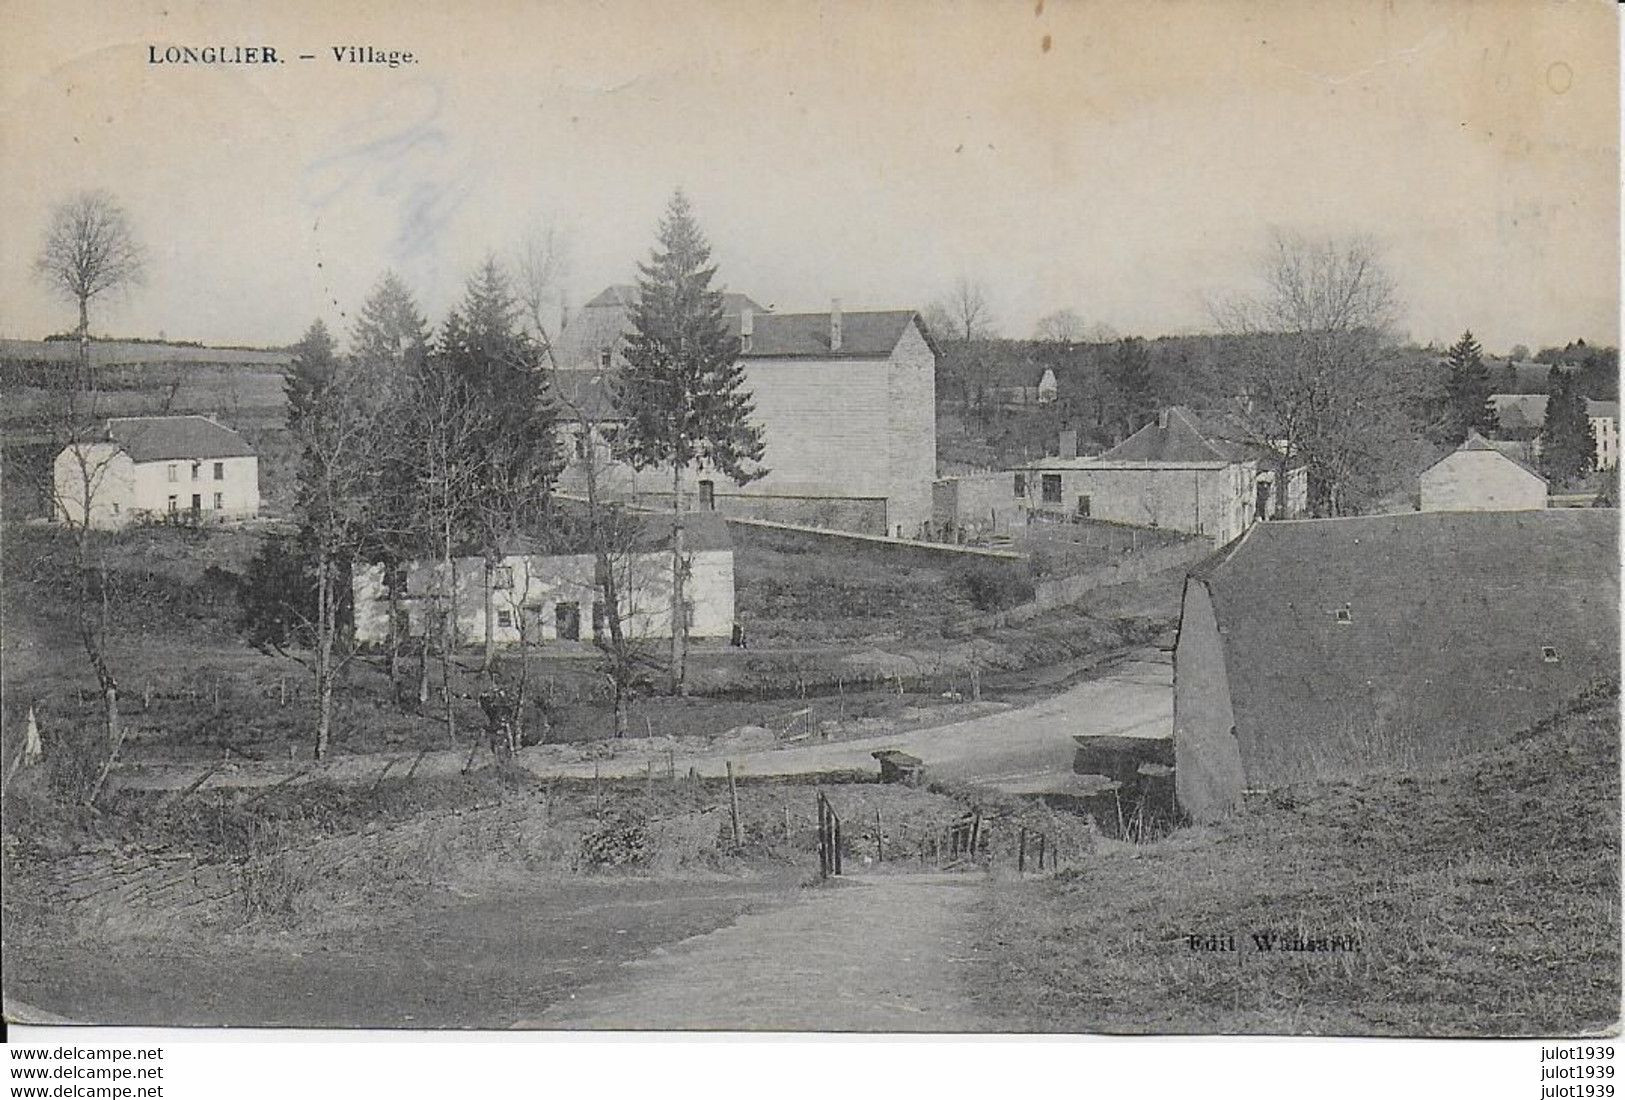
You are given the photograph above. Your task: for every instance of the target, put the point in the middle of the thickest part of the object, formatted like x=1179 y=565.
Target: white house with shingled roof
x=156 y=467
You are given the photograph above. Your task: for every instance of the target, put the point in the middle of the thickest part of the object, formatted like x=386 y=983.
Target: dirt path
x=878 y=953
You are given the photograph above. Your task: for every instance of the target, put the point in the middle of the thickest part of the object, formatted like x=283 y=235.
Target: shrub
x=992 y=587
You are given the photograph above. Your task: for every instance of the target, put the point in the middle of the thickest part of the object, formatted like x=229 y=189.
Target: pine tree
x=1129 y=373
x=390 y=330
x=682 y=389
x=1568 y=445
x=1467 y=388
x=302 y=587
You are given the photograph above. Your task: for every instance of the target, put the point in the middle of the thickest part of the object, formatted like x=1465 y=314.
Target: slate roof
x=1528 y=410
x=1447 y=612
x=157 y=438
x=1175 y=436
x=584 y=392
x=864 y=334
x=625 y=296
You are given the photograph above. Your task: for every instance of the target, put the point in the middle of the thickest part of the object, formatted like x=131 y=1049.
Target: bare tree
x=89 y=250
x=1064 y=327
x=1316 y=381
x=540 y=263
x=963 y=314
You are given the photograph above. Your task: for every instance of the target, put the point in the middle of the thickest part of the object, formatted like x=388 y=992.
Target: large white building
x=846 y=402
x=1523 y=416
x=542 y=594
x=156 y=467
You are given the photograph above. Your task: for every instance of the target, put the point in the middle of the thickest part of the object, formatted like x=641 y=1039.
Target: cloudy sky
x=1125 y=160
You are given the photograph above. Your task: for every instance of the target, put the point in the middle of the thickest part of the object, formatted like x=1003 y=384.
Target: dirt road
x=1019 y=750
x=875 y=953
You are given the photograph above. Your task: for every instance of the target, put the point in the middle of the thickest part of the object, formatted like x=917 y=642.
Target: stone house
x=550 y=594
x=846 y=401
x=1175 y=473
x=1318 y=649
x=1481 y=476
x=141 y=468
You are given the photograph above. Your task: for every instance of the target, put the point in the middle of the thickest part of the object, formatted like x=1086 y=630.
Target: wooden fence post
x=1042 y=839
x=880 y=842
x=1021 y=852
x=733 y=804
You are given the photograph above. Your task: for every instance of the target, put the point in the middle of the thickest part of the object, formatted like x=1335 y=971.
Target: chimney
x=834 y=324
x=747 y=328
x=1162 y=419
x=1069 y=443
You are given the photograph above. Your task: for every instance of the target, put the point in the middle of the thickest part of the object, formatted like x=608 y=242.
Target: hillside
x=1481 y=899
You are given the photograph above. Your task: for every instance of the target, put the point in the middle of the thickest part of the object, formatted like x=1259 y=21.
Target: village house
x=1482 y=476
x=141 y=468
x=846 y=401
x=1522 y=416
x=1316 y=649
x=1176 y=473
x=550 y=594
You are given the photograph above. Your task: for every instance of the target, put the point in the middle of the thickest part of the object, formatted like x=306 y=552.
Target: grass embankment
x=1483 y=898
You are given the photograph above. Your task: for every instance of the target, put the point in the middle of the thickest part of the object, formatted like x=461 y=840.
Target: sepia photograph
x=1053 y=517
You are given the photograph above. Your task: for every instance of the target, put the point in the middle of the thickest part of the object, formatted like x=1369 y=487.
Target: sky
x=1126 y=160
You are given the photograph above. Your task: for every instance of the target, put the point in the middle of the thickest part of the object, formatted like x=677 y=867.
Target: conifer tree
x=1129 y=373
x=1467 y=389
x=1568 y=446
x=683 y=387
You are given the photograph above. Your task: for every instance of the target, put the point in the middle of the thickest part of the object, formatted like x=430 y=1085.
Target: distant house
x=1318 y=648
x=551 y=594
x=156 y=467
x=846 y=401
x=1176 y=472
x=1047 y=388
x=1522 y=416
x=1482 y=476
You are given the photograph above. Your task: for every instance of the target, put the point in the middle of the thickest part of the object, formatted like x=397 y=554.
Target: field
x=1482 y=899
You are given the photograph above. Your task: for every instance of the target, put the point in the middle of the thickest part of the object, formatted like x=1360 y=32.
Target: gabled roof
x=1528 y=410
x=1175 y=436
x=864 y=335
x=583 y=392
x=625 y=296
x=157 y=438
x=1507 y=449
x=1447 y=616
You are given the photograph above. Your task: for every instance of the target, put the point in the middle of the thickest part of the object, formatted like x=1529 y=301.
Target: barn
x=1324 y=648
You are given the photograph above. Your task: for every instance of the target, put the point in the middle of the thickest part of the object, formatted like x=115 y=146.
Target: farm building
x=1177 y=472
x=846 y=401
x=1523 y=416
x=1321 y=648
x=1481 y=476
x=550 y=594
x=156 y=467
x=974 y=506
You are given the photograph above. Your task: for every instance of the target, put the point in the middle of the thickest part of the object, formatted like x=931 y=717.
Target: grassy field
x=1481 y=899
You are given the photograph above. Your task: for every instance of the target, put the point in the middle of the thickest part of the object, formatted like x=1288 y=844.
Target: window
x=115 y=507
x=196 y=466
x=567 y=621
x=708 y=496
x=220 y=471
x=173 y=474
x=1548 y=654
x=606 y=357
x=744 y=341
x=581 y=445
x=505 y=620
x=1345 y=616
x=1021 y=485
x=173 y=505
x=1083 y=505
x=502 y=576
x=219 y=501
x=1052 y=488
